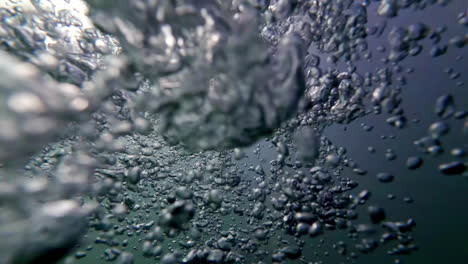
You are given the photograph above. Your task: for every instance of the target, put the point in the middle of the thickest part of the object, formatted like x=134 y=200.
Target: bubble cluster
x=188 y=131
x=214 y=83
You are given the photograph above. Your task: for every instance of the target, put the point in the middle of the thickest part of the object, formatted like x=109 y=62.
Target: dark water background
x=440 y=206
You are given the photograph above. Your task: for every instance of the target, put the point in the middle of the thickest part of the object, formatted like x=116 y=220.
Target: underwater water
x=233 y=131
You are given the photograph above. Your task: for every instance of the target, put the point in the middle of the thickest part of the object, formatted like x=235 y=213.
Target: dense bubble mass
x=33 y=107
x=56 y=36
x=214 y=82
x=233 y=131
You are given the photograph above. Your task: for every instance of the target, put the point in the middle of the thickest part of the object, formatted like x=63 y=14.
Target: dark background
x=440 y=206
